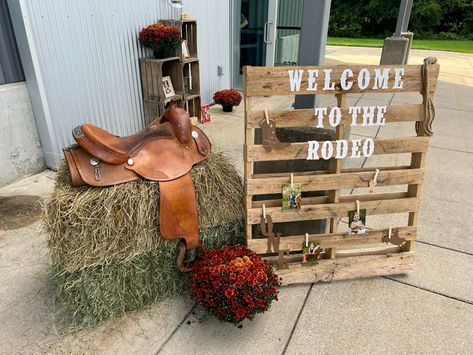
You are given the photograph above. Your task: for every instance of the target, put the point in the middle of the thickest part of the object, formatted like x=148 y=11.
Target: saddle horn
x=180 y=122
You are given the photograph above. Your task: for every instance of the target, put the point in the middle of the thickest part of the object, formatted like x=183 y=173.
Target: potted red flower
x=227 y=98
x=162 y=39
x=234 y=283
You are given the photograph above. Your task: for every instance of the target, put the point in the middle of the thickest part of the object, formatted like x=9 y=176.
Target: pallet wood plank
x=348 y=268
x=248 y=165
x=343 y=239
x=307 y=117
x=331 y=210
x=341 y=180
x=277 y=202
x=267 y=81
x=299 y=150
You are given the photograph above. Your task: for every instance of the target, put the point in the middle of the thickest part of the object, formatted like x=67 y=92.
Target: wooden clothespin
x=264 y=211
x=372 y=184
x=266 y=116
x=357 y=206
x=292 y=181
x=387 y=238
x=307 y=240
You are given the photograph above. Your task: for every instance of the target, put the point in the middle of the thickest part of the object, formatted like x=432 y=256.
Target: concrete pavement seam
x=450 y=149
x=430 y=290
x=176 y=329
x=297 y=319
x=442 y=247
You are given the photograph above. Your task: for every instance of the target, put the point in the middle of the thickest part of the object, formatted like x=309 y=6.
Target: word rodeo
x=370 y=116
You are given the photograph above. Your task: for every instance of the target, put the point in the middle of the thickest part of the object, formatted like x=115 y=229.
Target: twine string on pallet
x=429 y=107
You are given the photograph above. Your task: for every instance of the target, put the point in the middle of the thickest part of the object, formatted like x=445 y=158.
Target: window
x=10 y=65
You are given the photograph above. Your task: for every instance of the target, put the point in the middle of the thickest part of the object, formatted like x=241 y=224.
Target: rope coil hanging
x=429 y=107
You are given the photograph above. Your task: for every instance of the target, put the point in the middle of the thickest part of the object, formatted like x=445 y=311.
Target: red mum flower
x=227 y=97
x=230 y=287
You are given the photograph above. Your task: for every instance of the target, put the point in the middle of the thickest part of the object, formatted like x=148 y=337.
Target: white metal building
x=80 y=58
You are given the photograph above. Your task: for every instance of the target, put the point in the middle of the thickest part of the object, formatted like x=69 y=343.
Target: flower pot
x=160 y=53
x=227 y=108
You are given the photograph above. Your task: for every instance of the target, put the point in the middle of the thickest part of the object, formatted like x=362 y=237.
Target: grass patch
x=462 y=46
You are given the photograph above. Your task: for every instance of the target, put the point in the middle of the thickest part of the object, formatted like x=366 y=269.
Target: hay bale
x=107 y=254
x=93 y=295
x=90 y=226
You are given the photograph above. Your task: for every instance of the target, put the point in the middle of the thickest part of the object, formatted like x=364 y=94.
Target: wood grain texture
x=333 y=210
x=343 y=239
x=321 y=182
x=300 y=150
x=348 y=268
x=275 y=80
x=277 y=202
x=306 y=117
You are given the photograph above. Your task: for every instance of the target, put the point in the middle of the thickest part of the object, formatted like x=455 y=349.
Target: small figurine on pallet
x=311 y=252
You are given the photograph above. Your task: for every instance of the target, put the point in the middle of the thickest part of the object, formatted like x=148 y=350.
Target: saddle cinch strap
x=161 y=152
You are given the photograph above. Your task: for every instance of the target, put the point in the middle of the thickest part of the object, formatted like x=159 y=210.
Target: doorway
x=254 y=34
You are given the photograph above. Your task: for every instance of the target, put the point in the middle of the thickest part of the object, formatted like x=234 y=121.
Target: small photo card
x=167 y=87
x=291 y=197
x=357 y=222
x=311 y=253
x=185 y=49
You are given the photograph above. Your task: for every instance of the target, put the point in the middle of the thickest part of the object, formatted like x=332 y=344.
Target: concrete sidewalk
x=428 y=311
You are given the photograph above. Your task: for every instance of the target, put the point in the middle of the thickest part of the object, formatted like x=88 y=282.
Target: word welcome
x=377 y=78
x=339 y=149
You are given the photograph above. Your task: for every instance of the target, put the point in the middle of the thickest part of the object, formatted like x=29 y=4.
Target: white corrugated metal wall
x=85 y=54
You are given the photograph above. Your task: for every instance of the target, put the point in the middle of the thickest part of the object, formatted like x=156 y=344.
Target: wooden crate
x=191 y=103
x=188 y=31
x=345 y=256
x=152 y=72
x=191 y=76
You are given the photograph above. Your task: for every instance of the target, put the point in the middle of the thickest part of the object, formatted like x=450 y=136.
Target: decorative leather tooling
x=164 y=151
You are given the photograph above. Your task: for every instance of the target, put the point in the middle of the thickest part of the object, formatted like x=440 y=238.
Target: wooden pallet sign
x=349 y=249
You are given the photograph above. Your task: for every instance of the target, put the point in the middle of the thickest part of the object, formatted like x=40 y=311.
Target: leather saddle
x=164 y=151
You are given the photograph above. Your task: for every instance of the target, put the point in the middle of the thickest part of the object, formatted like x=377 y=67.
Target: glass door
x=254 y=24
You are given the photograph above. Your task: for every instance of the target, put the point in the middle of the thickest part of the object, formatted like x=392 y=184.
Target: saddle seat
x=164 y=151
x=113 y=149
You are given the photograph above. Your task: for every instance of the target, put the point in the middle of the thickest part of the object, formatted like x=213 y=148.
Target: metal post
x=403 y=17
x=396 y=48
x=312 y=41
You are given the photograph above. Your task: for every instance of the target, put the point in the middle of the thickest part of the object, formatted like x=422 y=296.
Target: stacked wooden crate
x=183 y=71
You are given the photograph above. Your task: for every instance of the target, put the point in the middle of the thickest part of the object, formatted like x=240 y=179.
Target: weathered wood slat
x=294 y=243
x=275 y=80
x=348 y=268
x=343 y=198
x=325 y=172
x=299 y=150
x=306 y=117
x=323 y=182
x=332 y=252
x=333 y=210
